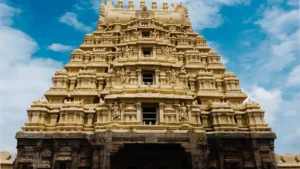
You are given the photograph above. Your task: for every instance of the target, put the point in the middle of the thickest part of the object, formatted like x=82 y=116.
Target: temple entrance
x=150 y=156
x=63 y=165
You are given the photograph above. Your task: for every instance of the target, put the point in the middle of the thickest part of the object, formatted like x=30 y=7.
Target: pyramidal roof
x=145 y=70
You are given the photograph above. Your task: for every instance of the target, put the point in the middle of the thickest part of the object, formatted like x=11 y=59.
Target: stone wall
x=285 y=161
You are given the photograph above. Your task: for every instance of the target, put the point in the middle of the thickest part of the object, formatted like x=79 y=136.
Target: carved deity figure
x=182 y=70
x=117 y=28
x=183 y=112
x=167 y=35
x=108 y=27
x=173 y=77
x=166 y=51
x=118 y=49
x=122 y=36
x=108 y=82
x=181 y=28
x=154 y=34
x=123 y=76
x=115 y=111
x=136 y=34
x=100 y=28
x=189 y=29
x=101 y=102
x=127 y=52
x=195 y=103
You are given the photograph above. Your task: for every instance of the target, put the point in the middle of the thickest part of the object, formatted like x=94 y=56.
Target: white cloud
x=291 y=106
x=274 y=2
x=246 y=43
x=270 y=101
x=294 y=77
x=57 y=47
x=6 y=14
x=291 y=139
x=293 y=2
x=95 y=4
x=279 y=49
x=23 y=78
x=70 y=19
x=282 y=28
x=280 y=23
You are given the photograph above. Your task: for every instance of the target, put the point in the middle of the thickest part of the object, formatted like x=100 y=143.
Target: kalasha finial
x=142 y=4
x=165 y=5
x=120 y=4
x=154 y=4
x=130 y=4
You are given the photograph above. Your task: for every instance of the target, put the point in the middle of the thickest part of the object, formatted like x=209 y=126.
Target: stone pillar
x=100 y=83
x=139 y=112
x=75 y=160
x=139 y=73
x=221 y=156
x=274 y=161
x=90 y=119
x=192 y=83
x=55 y=154
x=122 y=110
x=161 y=113
x=177 y=107
x=37 y=152
x=157 y=77
x=240 y=156
x=105 y=156
x=140 y=52
x=198 y=156
x=189 y=113
x=72 y=84
x=256 y=153
x=181 y=59
x=61 y=119
x=96 y=157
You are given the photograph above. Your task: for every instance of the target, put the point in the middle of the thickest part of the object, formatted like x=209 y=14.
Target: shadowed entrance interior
x=150 y=156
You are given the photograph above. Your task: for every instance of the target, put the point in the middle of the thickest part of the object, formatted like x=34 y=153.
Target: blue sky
x=257 y=39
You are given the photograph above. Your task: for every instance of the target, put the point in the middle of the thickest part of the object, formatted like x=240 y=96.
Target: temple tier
x=144 y=91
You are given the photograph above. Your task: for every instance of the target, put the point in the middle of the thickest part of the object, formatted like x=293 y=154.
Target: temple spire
x=165 y=5
x=154 y=4
x=120 y=4
x=142 y=4
x=130 y=4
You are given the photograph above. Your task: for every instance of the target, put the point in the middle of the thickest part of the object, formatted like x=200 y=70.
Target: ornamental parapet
x=288 y=161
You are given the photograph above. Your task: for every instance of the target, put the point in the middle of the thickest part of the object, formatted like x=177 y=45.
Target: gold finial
x=130 y=4
x=120 y=4
x=142 y=4
x=165 y=5
x=154 y=4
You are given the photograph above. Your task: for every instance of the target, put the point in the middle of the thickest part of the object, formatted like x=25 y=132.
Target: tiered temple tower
x=144 y=91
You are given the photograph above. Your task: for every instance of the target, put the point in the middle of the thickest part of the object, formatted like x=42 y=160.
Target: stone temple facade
x=144 y=91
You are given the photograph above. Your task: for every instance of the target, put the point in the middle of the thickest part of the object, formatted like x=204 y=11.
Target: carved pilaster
x=96 y=157
x=256 y=153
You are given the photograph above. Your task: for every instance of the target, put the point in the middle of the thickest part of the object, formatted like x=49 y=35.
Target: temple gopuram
x=144 y=91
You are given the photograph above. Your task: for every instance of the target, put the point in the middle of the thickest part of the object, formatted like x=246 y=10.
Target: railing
x=148 y=83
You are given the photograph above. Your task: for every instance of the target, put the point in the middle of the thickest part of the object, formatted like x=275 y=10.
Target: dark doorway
x=62 y=166
x=150 y=156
